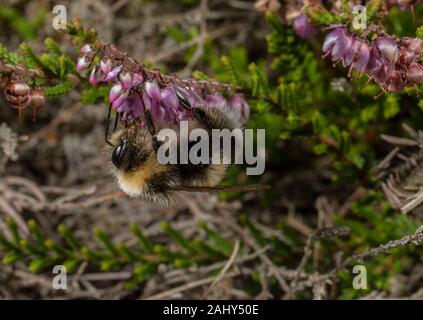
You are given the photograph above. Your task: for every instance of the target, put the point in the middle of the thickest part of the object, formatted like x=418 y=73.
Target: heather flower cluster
x=393 y=64
x=136 y=90
x=15 y=90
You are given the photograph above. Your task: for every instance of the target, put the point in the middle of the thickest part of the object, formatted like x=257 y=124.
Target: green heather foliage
x=293 y=93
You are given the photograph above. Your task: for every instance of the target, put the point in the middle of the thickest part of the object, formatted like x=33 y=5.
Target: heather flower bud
x=117 y=103
x=153 y=90
x=337 y=43
x=136 y=80
x=406 y=56
x=415 y=73
x=147 y=101
x=112 y=75
x=106 y=66
x=126 y=80
x=303 y=28
x=342 y=46
x=331 y=39
x=388 y=48
x=348 y=57
x=413 y=44
x=375 y=63
x=86 y=49
x=169 y=99
x=396 y=84
x=362 y=56
x=129 y=80
x=38 y=98
x=239 y=104
x=392 y=65
x=115 y=92
x=17 y=94
x=94 y=77
x=382 y=74
x=215 y=100
x=132 y=108
x=82 y=64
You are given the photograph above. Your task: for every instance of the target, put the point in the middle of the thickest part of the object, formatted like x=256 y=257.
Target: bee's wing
x=219 y=188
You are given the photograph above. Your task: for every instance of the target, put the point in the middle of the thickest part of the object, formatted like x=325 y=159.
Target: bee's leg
x=197 y=113
x=152 y=130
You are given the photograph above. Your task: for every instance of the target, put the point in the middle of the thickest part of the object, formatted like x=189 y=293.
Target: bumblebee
x=139 y=174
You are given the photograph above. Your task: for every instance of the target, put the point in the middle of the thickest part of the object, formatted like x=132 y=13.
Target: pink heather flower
x=106 y=66
x=415 y=73
x=170 y=102
x=396 y=84
x=413 y=44
x=86 y=49
x=82 y=64
x=126 y=80
x=388 y=49
x=332 y=39
x=216 y=100
x=375 y=62
x=153 y=90
x=117 y=103
x=104 y=72
x=115 y=92
x=94 y=78
x=112 y=75
x=239 y=104
x=303 y=28
x=132 y=108
x=152 y=101
x=362 y=56
x=348 y=57
x=129 y=80
x=407 y=56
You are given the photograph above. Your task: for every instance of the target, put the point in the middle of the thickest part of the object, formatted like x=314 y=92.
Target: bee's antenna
x=116 y=122
x=106 y=134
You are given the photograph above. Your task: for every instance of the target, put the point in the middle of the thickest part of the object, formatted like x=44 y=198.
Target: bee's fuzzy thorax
x=134 y=182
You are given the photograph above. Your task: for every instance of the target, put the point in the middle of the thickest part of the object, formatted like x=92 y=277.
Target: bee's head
x=131 y=147
x=133 y=161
